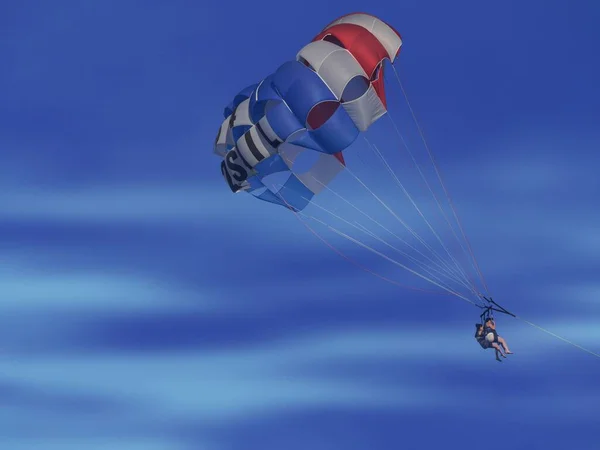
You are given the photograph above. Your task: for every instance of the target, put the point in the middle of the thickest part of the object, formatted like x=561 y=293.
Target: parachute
x=298 y=126
x=320 y=102
x=318 y=105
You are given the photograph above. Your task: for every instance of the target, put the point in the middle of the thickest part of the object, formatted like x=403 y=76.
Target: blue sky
x=144 y=306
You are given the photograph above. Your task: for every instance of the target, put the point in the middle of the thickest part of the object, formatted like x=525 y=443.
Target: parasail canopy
x=319 y=102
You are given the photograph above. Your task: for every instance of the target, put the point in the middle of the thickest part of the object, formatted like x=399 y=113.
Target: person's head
x=489 y=322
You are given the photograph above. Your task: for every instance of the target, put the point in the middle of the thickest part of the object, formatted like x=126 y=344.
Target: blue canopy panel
x=268 y=196
x=314 y=170
x=281 y=125
x=313 y=103
x=271 y=165
x=239 y=98
x=260 y=191
x=294 y=194
x=305 y=140
x=263 y=98
x=295 y=189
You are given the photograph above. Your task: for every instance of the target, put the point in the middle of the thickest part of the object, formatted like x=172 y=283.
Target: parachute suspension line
x=347 y=258
x=444 y=215
x=399 y=183
x=442 y=268
x=392 y=261
x=377 y=238
x=409 y=229
x=444 y=265
x=468 y=284
x=476 y=264
x=560 y=337
x=439 y=282
x=365 y=230
x=424 y=178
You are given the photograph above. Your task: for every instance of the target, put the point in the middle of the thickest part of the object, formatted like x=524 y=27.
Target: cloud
x=216 y=386
x=202 y=210
x=92 y=291
x=111 y=204
x=117 y=442
x=123 y=428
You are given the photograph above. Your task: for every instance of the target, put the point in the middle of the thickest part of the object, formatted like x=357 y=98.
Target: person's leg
x=503 y=343
x=498 y=351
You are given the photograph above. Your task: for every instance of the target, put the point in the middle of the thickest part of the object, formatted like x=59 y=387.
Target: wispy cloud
x=222 y=387
x=94 y=291
x=113 y=204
